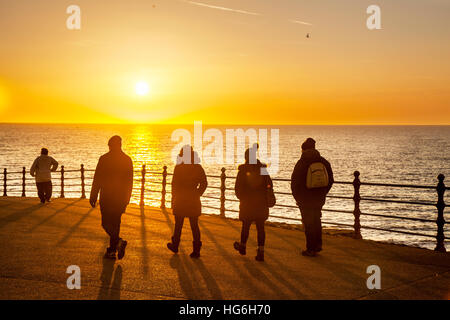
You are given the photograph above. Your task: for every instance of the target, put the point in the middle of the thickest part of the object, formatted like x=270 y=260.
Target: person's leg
x=245 y=232
x=261 y=240
x=111 y=225
x=193 y=221
x=261 y=233
x=197 y=244
x=48 y=190
x=107 y=224
x=241 y=246
x=307 y=220
x=318 y=229
x=179 y=221
x=173 y=246
x=40 y=191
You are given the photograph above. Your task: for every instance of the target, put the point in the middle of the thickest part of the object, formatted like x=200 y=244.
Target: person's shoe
x=238 y=247
x=196 y=252
x=259 y=255
x=308 y=253
x=121 y=248
x=42 y=201
x=49 y=200
x=110 y=254
x=318 y=249
x=173 y=246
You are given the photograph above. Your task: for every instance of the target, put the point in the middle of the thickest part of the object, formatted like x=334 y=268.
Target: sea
x=407 y=155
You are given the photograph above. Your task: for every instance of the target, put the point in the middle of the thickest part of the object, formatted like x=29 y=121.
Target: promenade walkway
x=38 y=243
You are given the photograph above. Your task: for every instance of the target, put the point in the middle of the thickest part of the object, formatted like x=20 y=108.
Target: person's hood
x=310 y=154
x=196 y=159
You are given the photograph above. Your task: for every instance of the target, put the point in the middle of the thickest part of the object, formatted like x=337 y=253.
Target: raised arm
x=54 y=164
x=33 y=168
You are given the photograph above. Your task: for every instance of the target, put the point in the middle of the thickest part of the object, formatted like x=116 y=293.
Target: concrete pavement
x=38 y=243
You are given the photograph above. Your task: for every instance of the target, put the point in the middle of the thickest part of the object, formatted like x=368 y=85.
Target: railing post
x=141 y=203
x=83 y=190
x=440 y=205
x=163 y=190
x=357 y=200
x=4 y=182
x=222 y=193
x=23 y=181
x=62 y=182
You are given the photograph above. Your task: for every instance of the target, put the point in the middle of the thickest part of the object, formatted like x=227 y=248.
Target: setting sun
x=142 y=88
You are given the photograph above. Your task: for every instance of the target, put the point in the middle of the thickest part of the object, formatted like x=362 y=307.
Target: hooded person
x=113 y=179
x=251 y=188
x=188 y=185
x=311 y=181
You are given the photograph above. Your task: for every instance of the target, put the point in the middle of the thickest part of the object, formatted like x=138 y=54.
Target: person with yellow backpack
x=311 y=181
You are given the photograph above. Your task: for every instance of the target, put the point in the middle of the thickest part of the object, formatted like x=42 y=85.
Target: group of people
x=311 y=180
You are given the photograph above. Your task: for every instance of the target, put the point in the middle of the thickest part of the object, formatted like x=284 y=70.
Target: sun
x=142 y=88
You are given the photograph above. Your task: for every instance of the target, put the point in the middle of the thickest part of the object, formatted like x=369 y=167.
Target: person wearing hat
x=113 y=179
x=311 y=181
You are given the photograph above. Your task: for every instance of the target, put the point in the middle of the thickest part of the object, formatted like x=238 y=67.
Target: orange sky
x=237 y=62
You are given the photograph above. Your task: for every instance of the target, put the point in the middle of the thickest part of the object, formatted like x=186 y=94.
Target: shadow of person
x=114 y=292
x=183 y=276
x=107 y=290
x=211 y=283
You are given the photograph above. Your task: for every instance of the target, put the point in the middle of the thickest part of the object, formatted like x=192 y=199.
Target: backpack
x=317 y=176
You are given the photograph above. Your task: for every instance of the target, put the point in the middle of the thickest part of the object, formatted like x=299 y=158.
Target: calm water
x=392 y=154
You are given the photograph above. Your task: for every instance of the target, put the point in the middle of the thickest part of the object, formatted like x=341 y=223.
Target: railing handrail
x=440 y=205
x=378 y=184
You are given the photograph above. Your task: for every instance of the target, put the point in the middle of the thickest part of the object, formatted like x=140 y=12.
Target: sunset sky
x=225 y=62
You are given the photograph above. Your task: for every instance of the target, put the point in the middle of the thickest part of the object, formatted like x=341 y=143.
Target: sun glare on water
x=142 y=88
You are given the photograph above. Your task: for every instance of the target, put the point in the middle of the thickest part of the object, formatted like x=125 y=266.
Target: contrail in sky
x=221 y=8
x=301 y=22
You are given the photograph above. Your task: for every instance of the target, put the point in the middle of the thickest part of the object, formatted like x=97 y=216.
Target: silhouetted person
x=41 y=170
x=114 y=180
x=310 y=182
x=251 y=189
x=188 y=185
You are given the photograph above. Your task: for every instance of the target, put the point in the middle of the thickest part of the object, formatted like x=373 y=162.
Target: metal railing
x=440 y=188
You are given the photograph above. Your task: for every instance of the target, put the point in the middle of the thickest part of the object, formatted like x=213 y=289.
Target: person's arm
x=296 y=180
x=203 y=184
x=330 y=175
x=239 y=185
x=174 y=185
x=33 y=168
x=54 y=164
x=96 y=183
x=129 y=180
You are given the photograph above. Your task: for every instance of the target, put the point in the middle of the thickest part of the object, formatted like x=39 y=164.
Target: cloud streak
x=200 y=4
x=301 y=22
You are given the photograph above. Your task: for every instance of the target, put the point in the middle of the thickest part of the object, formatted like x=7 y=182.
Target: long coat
x=113 y=178
x=188 y=185
x=309 y=197
x=251 y=189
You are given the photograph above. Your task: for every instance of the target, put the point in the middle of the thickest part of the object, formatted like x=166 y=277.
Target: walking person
x=311 y=181
x=254 y=189
x=188 y=185
x=41 y=170
x=113 y=179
